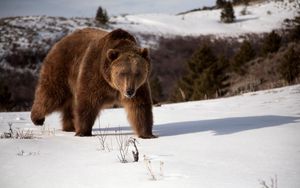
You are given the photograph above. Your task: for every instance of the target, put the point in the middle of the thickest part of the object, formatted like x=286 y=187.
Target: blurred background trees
x=227 y=13
x=101 y=15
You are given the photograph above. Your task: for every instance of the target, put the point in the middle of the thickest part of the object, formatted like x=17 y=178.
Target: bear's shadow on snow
x=218 y=126
x=223 y=126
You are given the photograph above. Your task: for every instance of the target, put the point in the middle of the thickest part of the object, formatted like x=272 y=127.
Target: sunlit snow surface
x=261 y=17
x=229 y=142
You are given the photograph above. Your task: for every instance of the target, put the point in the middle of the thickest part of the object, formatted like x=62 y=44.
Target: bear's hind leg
x=46 y=101
x=68 y=117
x=39 y=110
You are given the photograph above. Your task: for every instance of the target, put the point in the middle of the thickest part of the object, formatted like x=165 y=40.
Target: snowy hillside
x=88 y=8
x=261 y=17
x=40 y=32
x=231 y=142
x=36 y=32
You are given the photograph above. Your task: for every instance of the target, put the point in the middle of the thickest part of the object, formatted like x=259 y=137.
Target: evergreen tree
x=227 y=13
x=101 y=15
x=156 y=90
x=246 y=2
x=200 y=61
x=290 y=66
x=212 y=82
x=271 y=43
x=293 y=27
x=205 y=76
x=295 y=34
x=220 y=3
x=236 y=1
x=5 y=98
x=221 y=76
x=245 y=54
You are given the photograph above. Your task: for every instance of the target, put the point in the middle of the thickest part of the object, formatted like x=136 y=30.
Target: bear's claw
x=148 y=136
x=81 y=134
x=38 y=122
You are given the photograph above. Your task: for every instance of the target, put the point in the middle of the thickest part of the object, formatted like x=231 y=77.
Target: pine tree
x=212 y=82
x=200 y=61
x=271 y=43
x=205 y=76
x=221 y=75
x=5 y=98
x=245 y=54
x=295 y=34
x=227 y=13
x=290 y=66
x=246 y=2
x=101 y=15
x=220 y=3
x=156 y=90
x=293 y=27
x=236 y=1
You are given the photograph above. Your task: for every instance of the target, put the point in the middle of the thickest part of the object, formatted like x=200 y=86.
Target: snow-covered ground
x=229 y=142
x=260 y=17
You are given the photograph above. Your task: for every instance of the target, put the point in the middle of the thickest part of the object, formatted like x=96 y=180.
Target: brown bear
x=89 y=70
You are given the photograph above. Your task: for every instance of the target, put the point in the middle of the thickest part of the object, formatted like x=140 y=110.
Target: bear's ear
x=112 y=54
x=145 y=53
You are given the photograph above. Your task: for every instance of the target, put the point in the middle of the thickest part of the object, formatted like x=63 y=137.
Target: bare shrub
x=46 y=130
x=154 y=176
x=149 y=168
x=161 y=168
x=17 y=133
x=136 y=152
x=273 y=183
x=24 y=134
x=102 y=137
x=23 y=153
x=123 y=145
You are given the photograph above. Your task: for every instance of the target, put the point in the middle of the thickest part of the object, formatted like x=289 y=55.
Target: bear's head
x=128 y=70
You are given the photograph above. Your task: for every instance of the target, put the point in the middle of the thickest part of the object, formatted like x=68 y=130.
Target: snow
x=40 y=32
x=35 y=33
x=228 y=142
x=262 y=17
x=88 y=8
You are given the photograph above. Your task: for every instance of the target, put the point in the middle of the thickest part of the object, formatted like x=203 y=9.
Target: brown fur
x=89 y=70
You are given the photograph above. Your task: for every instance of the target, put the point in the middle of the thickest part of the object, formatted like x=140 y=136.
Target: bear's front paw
x=148 y=136
x=38 y=122
x=81 y=133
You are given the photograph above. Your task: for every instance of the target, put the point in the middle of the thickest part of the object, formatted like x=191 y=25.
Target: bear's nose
x=129 y=93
